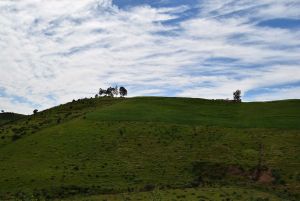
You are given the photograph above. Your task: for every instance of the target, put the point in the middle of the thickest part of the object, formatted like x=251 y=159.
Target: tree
x=113 y=91
x=123 y=91
x=237 y=96
x=116 y=91
x=110 y=92
x=35 y=111
x=102 y=92
x=2 y=111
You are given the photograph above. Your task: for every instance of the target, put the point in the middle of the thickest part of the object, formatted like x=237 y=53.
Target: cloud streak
x=50 y=56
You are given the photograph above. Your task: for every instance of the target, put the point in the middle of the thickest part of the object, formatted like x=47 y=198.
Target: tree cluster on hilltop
x=237 y=97
x=122 y=91
x=112 y=92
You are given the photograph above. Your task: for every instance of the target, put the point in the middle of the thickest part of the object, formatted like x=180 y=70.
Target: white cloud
x=8 y=105
x=68 y=49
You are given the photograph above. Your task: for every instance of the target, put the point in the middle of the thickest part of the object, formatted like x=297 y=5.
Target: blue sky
x=55 y=51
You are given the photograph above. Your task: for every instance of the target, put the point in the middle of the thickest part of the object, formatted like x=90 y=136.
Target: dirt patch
x=235 y=171
x=206 y=171
x=263 y=176
x=266 y=177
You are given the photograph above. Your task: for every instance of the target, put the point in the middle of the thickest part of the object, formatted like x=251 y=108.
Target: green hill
x=153 y=148
x=6 y=117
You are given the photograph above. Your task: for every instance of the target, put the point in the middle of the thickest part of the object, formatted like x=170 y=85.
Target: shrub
x=149 y=187
x=277 y=177
x=16 y=137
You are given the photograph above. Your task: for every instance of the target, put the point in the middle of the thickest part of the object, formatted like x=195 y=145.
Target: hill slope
x=8 y=117
x=112 y=146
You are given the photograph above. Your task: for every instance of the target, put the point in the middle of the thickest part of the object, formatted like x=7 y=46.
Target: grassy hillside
x=153 y=149
x=8 y=117
x=278 y=114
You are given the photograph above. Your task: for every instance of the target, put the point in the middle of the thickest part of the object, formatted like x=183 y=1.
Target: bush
x=277 y=177
x=149 y=187
x=16 y=137
x=207 y=170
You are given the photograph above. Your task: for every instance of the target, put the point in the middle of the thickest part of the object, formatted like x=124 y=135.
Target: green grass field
x=152 y=148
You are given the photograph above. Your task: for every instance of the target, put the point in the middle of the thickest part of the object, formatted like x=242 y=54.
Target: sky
x=54 y=51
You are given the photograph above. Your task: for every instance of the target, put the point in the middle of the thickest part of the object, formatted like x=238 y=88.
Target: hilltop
x=153 y=147
x=6 y=117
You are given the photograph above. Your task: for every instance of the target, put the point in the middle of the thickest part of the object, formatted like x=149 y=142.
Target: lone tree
x=35 y=111
x=123 y=91
x=237 y=96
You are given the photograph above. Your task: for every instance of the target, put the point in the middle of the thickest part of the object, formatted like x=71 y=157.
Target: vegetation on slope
x=6 y=117
x=115 y=146
x=189 y=194
x=277 y=114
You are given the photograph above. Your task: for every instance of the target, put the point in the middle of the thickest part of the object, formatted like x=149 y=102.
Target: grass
x=7 y=117
x=278 y=114
x=190 y=194
x=133 y=147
